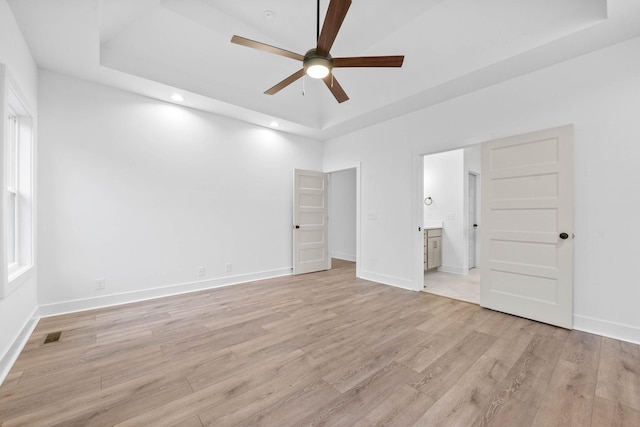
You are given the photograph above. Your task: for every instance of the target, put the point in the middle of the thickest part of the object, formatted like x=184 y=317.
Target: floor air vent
x=52 y=337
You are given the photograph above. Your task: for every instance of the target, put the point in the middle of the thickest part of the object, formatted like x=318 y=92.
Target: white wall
x=141 y=193
x=385 y=224
x=14 y=53
x=342 y=214
x=473 y=159
x=600 y=94
x=18 y=310
x=444 y=183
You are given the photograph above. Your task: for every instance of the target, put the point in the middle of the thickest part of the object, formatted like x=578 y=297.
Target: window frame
x=17 y=135
x=12 y=191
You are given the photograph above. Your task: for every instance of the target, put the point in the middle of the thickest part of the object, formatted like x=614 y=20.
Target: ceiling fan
x=317 y=63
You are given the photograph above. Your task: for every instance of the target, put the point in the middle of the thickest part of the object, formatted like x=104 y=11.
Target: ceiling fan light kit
x=317 y=63
x=316 y=66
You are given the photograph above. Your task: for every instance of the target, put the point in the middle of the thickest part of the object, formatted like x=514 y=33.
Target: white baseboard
x=389 y=280
x=453 y=270
x=74 y=306
x=605 y=328
x=345 y=257
x=11 y=356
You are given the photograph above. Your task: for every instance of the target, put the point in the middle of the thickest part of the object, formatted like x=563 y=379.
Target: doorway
x=344 y=215
x=527 y=238
x=450 y=220
x=326 y=214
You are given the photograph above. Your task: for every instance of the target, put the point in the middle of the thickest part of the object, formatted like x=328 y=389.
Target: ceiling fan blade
x=369 y=61
x=332 y=22
x=335 y=88
x=265 y=47
x=286 y=82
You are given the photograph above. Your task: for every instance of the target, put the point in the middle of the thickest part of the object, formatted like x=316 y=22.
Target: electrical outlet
x=200 y=271
x=229 y=267
x=100 y=284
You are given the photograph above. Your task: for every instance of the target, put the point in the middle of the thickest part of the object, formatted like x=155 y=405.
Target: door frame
x=418 y=220
x=418 y=211
x=347 y=166
x=477 y=176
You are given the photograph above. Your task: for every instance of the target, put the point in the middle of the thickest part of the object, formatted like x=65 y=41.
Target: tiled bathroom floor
x=465 y=288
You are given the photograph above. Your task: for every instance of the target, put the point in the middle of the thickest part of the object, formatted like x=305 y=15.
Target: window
x=12 y=191
x=17 y=189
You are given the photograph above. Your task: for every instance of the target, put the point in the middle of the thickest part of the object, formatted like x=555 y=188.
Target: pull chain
x=303 y=81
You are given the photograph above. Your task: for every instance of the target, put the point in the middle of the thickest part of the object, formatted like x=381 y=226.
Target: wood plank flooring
x=319 y=349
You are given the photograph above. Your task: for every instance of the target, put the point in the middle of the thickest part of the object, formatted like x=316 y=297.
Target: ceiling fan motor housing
x=317 y=66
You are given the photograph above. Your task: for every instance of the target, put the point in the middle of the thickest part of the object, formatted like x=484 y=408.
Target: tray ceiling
x=451 y=47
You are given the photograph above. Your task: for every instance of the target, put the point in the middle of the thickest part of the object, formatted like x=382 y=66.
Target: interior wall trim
x=74 y=306
x=606 y=328
x=7 y=361
x=389 y=280
x=344 y=257
x=454 y=270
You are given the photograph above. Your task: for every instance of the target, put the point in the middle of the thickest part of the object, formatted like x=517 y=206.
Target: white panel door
x=527 y=226
x=310 y=225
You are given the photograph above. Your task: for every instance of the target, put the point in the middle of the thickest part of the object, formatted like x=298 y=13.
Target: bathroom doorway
x=451 y=220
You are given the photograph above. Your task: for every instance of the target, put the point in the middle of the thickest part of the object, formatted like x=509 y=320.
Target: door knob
x=564 y=236
x=297 y=226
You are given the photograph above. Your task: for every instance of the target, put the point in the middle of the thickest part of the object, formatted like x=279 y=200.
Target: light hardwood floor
x=318 y=349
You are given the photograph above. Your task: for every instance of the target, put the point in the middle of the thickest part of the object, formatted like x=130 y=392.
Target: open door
x=527 y=218
x=310 y=225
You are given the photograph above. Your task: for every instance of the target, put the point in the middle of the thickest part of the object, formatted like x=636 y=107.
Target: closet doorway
x=344 y=219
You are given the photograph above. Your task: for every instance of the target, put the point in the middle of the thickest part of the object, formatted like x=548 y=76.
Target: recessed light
x=274 y=124
x=177 y=98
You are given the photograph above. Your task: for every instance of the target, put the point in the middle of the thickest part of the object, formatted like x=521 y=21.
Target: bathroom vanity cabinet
x=432 y=248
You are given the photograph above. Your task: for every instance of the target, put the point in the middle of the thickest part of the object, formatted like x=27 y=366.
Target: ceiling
x=160 y=47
